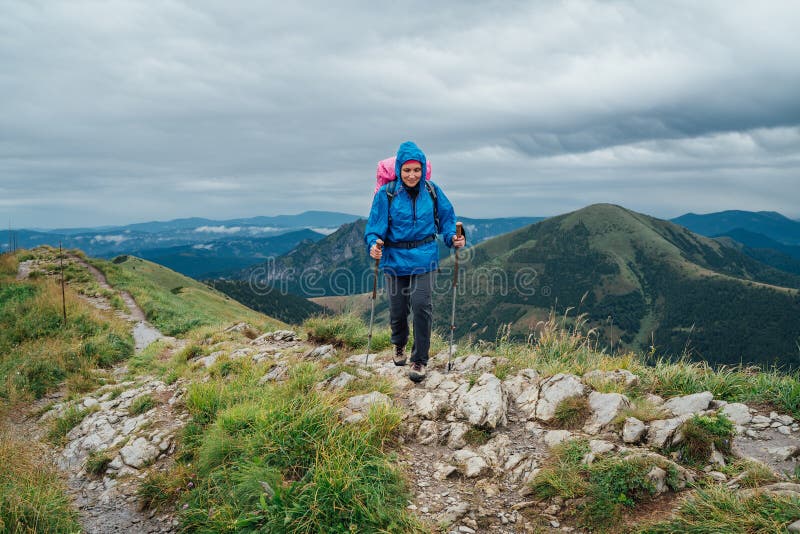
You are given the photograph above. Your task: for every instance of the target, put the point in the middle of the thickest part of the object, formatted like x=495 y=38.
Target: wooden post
x=63 y=293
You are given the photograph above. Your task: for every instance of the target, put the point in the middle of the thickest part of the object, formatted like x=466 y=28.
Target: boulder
x=139 y=453
x=556 y=437
x=428 y=433
x=362 y=403
x=605 y=407
x=633 y=430
x=430 y=404
x=689 y=404
x=737 y=412
x=456 y=439
x=470 y=463
x=485 y=403
x=553 y=391
x=472 y=362
x=662 y=431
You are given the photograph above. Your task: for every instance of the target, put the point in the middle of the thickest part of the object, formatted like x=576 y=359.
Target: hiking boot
x=399 y=357
x=417 y=372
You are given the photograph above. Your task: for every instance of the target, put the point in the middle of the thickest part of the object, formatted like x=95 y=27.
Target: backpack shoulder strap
x=432 y=191
x=391 y=191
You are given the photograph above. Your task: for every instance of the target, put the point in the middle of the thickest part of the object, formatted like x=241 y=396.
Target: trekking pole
x=459 y=233
x=374 y=296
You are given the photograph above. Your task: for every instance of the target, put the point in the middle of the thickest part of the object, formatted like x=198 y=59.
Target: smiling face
x=411 y=173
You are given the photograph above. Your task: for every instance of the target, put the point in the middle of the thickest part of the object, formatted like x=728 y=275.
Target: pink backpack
x=386 y=172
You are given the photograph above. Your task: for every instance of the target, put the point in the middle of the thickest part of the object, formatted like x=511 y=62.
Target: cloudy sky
x=124 y=111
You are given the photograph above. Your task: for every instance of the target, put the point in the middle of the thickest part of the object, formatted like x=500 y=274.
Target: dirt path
x=143 y=332
x=109 y=503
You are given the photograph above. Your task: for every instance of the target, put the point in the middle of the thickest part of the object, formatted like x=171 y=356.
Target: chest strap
x=410 y=244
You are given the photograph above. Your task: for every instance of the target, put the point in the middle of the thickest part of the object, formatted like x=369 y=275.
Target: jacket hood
x=408 y=151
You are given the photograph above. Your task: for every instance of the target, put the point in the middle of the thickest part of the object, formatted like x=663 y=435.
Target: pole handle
x=379 y=244
x=459 y=233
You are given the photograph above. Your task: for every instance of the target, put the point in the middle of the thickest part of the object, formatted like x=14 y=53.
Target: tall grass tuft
x=346 y=331
x=32 y=496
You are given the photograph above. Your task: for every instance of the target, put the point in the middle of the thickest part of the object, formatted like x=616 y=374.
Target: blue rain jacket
x=412 y=220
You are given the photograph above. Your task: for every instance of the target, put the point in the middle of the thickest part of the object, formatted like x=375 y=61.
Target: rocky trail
x=471 y=443
x=129 y=443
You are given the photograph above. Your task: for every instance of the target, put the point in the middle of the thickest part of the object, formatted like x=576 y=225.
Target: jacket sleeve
x=378 y=222
x=447 y=217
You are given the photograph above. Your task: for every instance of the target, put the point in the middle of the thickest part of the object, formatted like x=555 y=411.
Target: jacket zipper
x=414 y=207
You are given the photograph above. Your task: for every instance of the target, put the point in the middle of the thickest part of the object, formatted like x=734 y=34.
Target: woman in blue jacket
x=405 y=218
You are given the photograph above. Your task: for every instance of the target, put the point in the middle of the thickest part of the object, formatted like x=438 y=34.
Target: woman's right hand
x=377 y=250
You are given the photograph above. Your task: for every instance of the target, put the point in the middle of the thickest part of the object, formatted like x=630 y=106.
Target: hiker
x=404 y=219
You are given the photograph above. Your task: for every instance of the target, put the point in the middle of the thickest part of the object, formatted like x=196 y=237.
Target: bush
x=702 y=434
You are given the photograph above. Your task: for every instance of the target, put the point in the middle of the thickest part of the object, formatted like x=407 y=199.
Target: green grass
x=32 y=495
x=717 y=509
x=141 y=405
x=38 y=351
x=752 y=474
x=572 y=412
x=607 y=486
x=176 y=313
x=477 y=436
x=703 y=433
x=96 y=462
x=61 y=425
x=275 y=458
x=346 y=331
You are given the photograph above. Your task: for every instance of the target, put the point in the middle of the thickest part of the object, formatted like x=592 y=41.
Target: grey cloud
x=140 y=110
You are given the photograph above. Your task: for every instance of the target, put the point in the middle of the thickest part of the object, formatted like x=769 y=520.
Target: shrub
x=702 y=434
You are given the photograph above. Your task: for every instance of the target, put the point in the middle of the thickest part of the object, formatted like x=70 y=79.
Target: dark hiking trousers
x=412 y=293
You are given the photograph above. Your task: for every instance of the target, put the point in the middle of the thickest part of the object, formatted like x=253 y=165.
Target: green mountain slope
x=641 y=280
x=285 y=307
x=175 y=303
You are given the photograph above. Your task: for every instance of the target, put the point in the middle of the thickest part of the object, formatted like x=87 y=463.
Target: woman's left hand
x=459 y=241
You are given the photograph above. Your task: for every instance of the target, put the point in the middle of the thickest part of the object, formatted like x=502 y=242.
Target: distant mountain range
x=216 y=258
x=338 y=264
x=767 y=223
x=161 y=238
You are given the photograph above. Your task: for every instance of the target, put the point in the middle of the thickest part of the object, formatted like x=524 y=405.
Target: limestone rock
x=553 y=391
x=737 y=412
x=556 y=437
x=485 y=403
x=662 y=431
x=361 y=403
x=605 y=408
x=633 y=431
x=470 y=463
x=139 y=453
x=457 y=433
x=689 y=404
